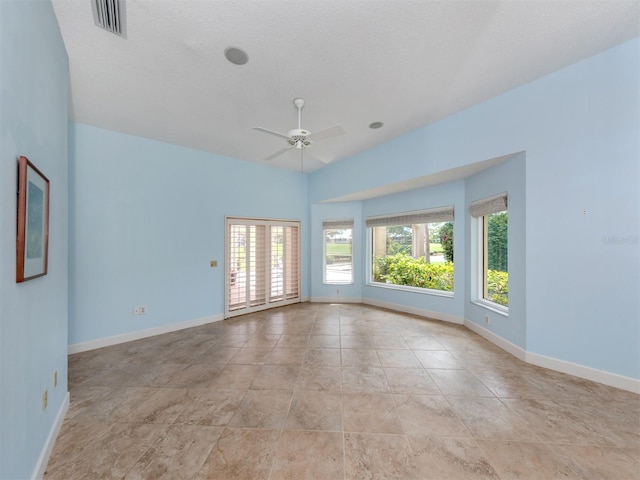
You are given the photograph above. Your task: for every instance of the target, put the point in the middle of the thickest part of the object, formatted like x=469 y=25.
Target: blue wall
x=578 y=128
x=146 y=219
x=33 y=315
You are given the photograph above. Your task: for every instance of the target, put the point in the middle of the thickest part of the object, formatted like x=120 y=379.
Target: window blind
x=489 y=205
x=440 y=214
x=337 y=224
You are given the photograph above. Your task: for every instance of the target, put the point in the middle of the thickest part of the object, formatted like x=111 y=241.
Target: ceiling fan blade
x=333 y=131
x=271 y=132
x=277 y=154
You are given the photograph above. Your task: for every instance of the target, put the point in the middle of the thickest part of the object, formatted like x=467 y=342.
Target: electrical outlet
x=44 y=400
x=143 y=310
x=55 y=379
x=487 y=320
x=338 y=291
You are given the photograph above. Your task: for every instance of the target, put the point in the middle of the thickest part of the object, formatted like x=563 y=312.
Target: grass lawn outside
x=338 y=249
x=435 y=248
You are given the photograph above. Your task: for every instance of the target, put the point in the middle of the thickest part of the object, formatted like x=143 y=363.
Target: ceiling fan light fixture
x=299 y=138
x=375 y=125
x=236 y=55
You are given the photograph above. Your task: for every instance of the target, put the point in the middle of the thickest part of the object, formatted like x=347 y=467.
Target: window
x=413 y=250
x=338 y=251
x=492 y=247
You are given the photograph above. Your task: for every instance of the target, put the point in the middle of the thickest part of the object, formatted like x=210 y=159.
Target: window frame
x=484 y=225
x=480 y=211
x=423 y=217
x=331 y=225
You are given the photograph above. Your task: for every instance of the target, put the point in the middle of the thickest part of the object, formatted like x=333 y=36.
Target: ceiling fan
x=300 y=138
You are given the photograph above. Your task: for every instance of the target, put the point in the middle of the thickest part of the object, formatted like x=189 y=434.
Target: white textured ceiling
x=405 y=63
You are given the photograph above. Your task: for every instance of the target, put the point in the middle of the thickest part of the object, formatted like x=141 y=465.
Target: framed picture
x=33 y=222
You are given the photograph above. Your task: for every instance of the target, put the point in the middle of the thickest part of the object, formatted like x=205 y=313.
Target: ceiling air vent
x=109 y=14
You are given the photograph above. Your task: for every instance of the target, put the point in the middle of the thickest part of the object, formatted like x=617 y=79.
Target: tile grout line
x=357 y=317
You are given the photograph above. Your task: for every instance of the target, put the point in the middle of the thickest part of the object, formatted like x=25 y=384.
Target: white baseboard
x=589 y=373
x=43 y=459
x=563 y=366
x=150 y=332
x=336 y=300
x=518 y=352
x=445 y=317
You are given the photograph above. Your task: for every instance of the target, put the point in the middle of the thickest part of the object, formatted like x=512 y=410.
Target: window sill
x=338 y=283
x=494 y=307
x=422 y=291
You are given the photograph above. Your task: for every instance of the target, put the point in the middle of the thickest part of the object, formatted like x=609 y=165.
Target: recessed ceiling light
x=236 y=55
x=375 y=125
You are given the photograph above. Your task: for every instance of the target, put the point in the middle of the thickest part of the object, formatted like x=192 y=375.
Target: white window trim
x=479 y=293
x=336 y=224
x=493 y=306
x=392 y=286
x=406 y=288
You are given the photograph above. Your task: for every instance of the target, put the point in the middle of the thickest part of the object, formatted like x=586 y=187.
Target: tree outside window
x=496 y=268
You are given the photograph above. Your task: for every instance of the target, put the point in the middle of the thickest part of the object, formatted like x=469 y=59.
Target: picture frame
x=32 y=240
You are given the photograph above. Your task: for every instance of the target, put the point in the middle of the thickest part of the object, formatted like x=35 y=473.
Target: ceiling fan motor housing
x=299 y=135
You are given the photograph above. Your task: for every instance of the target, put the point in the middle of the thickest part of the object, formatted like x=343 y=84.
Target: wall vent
x=110 y=15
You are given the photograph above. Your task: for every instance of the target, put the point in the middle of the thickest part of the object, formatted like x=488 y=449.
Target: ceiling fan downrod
x=299 y=104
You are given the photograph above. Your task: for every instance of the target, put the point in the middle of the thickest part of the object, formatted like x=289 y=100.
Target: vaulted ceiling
x=405 y=63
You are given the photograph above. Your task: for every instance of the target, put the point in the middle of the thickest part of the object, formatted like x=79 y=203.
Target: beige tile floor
x=336 y=391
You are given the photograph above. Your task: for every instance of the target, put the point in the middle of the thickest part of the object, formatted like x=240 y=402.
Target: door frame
x=268 y=223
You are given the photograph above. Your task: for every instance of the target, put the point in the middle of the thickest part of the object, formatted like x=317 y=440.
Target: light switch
x=214 y=263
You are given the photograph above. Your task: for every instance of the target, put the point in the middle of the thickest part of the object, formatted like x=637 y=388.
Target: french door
x=262 y=264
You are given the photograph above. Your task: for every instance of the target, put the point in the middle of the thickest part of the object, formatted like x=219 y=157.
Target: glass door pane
x=277 y=264
x=292 y=265
x=236 y=266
